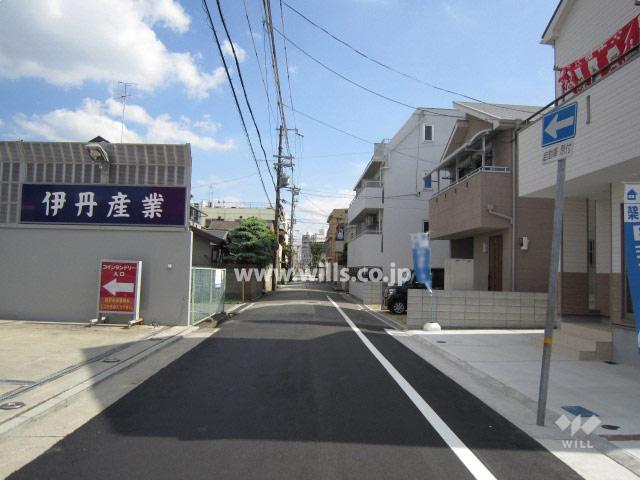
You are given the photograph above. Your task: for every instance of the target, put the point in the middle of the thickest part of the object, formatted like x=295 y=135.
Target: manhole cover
x=11 y=405
x=111 y=360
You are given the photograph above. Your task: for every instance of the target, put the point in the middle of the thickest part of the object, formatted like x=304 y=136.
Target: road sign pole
x=553 y=292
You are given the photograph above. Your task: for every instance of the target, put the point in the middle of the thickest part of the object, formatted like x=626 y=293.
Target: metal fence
x=207 y=293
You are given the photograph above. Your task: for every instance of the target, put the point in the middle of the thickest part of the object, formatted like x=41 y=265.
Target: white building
x=215 y=211
x=586 y=35
x=392 y=197
x=306 y=256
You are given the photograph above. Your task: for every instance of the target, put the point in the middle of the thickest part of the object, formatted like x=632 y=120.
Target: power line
x=266 y=4
x=244 y=90
x=344 y=132
x=263 y=75
x=223 y=181
x=353 y=82
x=392 y=69
x=330 y=126
x=235 y=96
x=286 y=63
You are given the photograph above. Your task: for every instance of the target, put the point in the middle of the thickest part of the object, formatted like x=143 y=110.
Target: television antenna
x=123 y=100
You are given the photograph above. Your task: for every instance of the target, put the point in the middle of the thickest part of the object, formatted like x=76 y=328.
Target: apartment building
x=505 y=239
x=595 y=49
x=227 y=212
x=306 y=252
x=334 y=243
x=392 y=199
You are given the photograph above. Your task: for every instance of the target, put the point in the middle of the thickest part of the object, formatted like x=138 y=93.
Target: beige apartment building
x=504 y=238
x=334 y=243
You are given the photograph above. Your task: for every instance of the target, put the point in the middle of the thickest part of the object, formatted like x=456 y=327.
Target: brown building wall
x=575 y=288
x=535 y=221
x=603 y=293
x=462 y=248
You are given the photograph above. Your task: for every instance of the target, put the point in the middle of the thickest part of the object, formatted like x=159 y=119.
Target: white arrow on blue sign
x=559 y=124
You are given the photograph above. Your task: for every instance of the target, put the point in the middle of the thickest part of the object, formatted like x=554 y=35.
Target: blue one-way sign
x=560 y=124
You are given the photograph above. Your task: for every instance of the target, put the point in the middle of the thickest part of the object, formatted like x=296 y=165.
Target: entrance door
x=495 y=263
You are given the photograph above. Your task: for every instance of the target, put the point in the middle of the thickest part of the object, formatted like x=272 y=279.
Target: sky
x=61 y=62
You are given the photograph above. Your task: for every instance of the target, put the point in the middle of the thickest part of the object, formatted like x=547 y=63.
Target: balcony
x=365 y=247
x=368 y=200
x=478 y=203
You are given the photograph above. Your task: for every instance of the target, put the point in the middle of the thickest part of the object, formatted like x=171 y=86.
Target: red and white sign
x=615 y=47
x=120 y=286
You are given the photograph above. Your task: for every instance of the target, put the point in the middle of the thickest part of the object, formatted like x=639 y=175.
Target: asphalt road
x=291 y=389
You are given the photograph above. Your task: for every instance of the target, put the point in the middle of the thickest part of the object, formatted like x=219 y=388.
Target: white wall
x=606 y=149
x=406 y=203
x=54 y=272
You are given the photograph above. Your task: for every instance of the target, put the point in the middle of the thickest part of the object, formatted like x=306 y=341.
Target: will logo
x=576 y=425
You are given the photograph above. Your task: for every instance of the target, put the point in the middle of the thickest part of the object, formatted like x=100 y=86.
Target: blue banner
x=103 y=205
x=632 y=248
x=422 y=258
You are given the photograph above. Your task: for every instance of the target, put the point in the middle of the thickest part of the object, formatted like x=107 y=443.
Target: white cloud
x=70 y=42
x=293 y=69
x=240 y=53
x=95 y=117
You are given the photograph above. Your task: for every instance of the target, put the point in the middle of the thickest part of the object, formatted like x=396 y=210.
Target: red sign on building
x=619 y=44
x=120 y=287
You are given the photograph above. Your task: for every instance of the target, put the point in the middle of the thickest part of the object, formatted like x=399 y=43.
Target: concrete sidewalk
x=43 y=364
x=502 y=367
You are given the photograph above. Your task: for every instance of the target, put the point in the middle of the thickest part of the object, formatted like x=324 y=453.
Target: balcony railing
x=368 y=184
x=489 y=169
x=360 y=230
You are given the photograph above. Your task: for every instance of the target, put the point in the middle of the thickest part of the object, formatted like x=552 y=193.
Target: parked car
x=395 y=297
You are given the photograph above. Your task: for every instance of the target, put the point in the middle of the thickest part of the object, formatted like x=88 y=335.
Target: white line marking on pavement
x=466 y=456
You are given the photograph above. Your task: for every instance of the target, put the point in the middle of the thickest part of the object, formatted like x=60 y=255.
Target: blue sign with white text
x=103 y=205
x=632 y=248
x=559 y=124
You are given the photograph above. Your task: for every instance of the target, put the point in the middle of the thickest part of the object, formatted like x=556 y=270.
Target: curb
x=51 y=403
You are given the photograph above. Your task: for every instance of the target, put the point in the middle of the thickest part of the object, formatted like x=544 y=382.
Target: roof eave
x=550 y=34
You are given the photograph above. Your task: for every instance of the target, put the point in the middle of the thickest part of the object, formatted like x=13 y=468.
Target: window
x=427 y=133
x=425 y=227
x=427 y=182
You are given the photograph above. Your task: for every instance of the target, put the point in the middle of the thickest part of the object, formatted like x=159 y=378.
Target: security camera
x=97 y=153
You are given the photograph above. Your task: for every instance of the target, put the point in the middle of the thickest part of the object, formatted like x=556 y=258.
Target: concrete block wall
x=370 y=293
x=477 y=309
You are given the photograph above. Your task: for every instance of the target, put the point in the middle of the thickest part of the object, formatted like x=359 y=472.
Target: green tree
x=317 y=248
x=252 y=243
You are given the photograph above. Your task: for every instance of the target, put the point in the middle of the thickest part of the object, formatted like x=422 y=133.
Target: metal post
x=552 y=295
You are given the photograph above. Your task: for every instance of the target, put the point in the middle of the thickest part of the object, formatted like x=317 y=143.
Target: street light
x=98 y=154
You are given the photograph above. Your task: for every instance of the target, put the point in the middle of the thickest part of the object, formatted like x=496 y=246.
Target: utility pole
x=277 y=208
x=294 y=193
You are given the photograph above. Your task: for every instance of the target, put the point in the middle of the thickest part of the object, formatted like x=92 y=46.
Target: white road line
x=466 y=456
